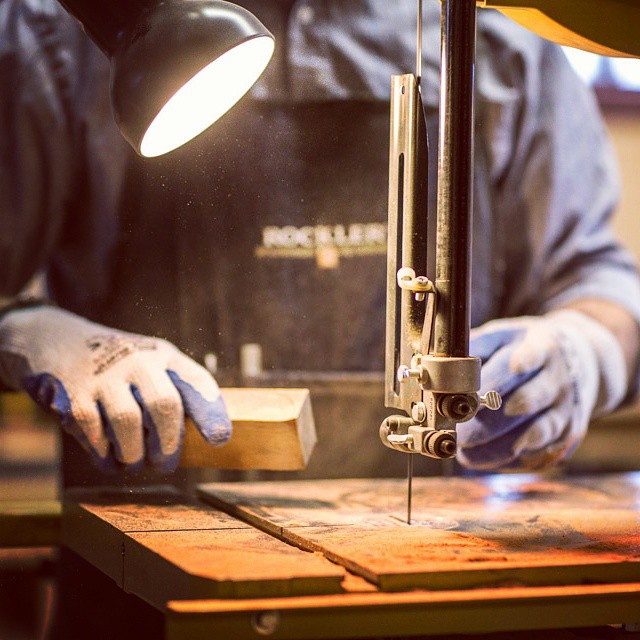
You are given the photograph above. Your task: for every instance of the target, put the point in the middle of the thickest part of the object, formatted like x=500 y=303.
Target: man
x=269 y=229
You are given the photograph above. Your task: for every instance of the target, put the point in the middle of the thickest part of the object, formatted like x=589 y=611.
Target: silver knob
x=405 y=373
x=491 y=400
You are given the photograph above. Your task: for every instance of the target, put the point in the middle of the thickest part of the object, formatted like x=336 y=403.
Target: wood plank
x=418 y=613
x=277 y=506
x=160 y=546
x=466 y=533
x=95 y=522
x=243 y=563
x=273 y=429
x=30 y=523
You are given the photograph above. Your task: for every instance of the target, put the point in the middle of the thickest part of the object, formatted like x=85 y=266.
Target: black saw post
x=455 y=179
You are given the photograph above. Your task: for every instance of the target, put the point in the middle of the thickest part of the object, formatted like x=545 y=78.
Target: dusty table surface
x=329 y=559
x=466 y=532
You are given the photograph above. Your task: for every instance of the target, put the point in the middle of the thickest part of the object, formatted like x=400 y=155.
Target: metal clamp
x=402 y=434
x=420 y=285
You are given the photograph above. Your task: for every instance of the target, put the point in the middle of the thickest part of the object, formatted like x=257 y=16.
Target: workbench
x=335 y=558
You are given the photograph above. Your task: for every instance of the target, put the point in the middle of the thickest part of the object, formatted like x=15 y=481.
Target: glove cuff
x=613 y=379
x=13 y=342
x=22 y=302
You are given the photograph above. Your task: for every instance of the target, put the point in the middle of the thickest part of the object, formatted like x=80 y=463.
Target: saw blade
x=409 y=487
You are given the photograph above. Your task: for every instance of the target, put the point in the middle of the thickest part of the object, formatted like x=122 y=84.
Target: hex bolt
x=419 y=412
x=265 y=623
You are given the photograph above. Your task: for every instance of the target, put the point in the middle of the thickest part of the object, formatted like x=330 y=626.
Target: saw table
x=334 y=558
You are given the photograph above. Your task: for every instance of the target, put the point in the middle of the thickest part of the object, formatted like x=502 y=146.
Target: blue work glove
x=554 y=372
x=122 y=396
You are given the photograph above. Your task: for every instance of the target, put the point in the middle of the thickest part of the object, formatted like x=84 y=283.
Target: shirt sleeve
x=35 y=150
x=557 y=196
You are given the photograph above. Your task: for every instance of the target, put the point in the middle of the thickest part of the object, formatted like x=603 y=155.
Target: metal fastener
x=419 y=411
x=405 y=373
x=265 y=622
x=491 y=400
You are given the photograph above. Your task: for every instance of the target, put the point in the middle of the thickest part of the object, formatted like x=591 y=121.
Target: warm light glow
x=207 y=96
x=586 y=64
x=626 y=73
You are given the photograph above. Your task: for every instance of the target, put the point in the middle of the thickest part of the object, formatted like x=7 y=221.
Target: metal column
x=455 y=179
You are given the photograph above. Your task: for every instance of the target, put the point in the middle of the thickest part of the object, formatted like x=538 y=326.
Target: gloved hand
x=554 y=372
x=123 y=396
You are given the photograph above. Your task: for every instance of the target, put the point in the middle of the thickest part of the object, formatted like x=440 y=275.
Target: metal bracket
x=420 y=285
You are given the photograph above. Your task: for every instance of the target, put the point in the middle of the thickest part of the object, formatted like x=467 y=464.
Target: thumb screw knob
x=491 y=400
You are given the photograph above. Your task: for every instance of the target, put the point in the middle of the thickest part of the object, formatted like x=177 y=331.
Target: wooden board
x=273 y=429
x=466 y=532
x=160 y=546
x=96 y=522
x=243 y=563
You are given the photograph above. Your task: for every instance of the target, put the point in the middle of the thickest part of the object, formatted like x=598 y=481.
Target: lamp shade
x=606 y=27
x=176 y=65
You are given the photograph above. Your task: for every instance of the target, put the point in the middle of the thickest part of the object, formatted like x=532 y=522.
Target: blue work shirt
x=270 y=228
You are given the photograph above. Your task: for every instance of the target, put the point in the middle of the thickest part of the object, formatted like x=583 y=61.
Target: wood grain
x=273 y=429
x=466 y=532
x=160 y=546
x=95 y=523
x=243 y=563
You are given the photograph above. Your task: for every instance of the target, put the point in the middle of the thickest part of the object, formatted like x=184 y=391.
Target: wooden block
x=30 y=523
x=159 y=546
x=466 y=532
x=273 y=429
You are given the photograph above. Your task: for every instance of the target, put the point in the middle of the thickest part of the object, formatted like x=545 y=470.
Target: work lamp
x=176 y=65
